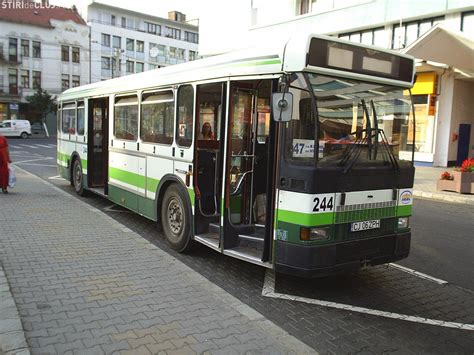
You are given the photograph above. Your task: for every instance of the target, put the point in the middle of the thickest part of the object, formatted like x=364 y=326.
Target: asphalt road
x=442 y=246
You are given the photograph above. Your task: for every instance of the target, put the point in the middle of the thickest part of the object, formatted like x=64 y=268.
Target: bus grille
x=366 y=211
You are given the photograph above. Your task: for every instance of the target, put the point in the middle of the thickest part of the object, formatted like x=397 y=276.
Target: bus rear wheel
x=78 y=177
x=176 y=219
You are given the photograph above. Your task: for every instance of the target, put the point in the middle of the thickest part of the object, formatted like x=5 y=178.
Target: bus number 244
x=323 y=204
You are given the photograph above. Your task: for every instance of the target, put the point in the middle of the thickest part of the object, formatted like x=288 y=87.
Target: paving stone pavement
x=84 y=283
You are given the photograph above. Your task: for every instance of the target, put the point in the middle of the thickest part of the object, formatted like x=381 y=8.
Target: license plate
x=365 y=225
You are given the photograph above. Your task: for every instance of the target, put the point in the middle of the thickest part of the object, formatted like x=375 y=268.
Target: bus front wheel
x=176 y=219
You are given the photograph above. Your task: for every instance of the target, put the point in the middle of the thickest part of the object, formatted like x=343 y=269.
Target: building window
x=153 y=28
x=173 y=53
x=411 y=31
x=375 y=36
x=191 y=37
x=192 y=55
x=36 y=49
x=105 y=63
x=25 y=79
x=467 y=22
x=112 y=20
x=65 y=53
x=157 y=117
x=139 y=67
x=64 y=81
x=76 y=80
x=117 y=42
x=13 y=50
x=25 y=48
x=105 y=40
x=130 y=44
x=180 y=53
x=126 y=118
x=36 y=80
x=13 y=81
x=140 y=46
x=124 y=22
x=161 y=50
x=130 y=66
x=76 y=55
x=304 y=6
x=184 y=115
x=173 y=33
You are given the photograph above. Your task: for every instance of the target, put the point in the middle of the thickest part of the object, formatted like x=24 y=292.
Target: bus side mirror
x=282 y=106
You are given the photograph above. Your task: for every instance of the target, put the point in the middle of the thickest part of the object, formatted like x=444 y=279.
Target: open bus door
x=240 y=176
x=97 y=149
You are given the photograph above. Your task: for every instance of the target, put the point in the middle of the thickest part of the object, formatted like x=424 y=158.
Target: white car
x=15 y=128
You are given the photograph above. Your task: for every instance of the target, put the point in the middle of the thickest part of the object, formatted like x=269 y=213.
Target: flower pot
x=462 y=183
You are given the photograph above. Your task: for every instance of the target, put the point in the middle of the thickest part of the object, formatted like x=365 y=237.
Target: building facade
x=125 y=42
x=444 y=133
x=41 y=46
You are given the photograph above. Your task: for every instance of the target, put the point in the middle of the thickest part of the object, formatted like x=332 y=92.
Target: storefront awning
x=446 y=46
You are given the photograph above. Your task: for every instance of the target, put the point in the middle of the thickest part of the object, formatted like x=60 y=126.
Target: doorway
x=97 y=156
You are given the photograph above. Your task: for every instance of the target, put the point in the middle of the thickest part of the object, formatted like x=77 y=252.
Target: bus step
x=255 y=237
x=209 y=239
x=251 y=255
x=214 y=228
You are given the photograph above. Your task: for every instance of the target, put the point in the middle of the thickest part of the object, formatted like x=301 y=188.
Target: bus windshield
x=360 y=124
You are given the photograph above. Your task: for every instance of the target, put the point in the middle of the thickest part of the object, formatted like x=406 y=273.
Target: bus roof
x=282 y=55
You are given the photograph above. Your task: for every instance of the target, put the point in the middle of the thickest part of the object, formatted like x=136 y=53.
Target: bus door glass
x=210 y=108
x=241 y=154
x=97 y=141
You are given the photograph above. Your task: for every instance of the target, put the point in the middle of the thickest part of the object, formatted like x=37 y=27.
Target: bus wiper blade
x=368 y=127
x=376 y=127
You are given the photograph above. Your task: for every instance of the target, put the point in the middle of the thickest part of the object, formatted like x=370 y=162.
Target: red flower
x=467 y=166
x=446 y=176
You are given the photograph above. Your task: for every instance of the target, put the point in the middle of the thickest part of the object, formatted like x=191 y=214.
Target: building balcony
x=10 y=60
x=10 y=93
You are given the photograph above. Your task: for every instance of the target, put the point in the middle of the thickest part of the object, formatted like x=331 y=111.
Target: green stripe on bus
x=127 y=177
x=66 y=158
x=263 y=62
x=403 y=211
x=305 y=219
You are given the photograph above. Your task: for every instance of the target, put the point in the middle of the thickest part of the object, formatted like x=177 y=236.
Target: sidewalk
x=425 y=186
x=84 y=283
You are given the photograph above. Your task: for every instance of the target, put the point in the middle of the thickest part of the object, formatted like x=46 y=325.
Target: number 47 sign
x=303 y=148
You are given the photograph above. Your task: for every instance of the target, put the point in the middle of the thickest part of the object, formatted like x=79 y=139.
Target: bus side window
x=184 y=116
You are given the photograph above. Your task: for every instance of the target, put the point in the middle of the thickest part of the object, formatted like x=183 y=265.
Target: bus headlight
x=403 y=222
x=314 y=234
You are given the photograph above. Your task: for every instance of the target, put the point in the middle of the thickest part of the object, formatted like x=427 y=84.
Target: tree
x=42 y=103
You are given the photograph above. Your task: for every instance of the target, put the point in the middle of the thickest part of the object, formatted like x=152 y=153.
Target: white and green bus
x=296 y=156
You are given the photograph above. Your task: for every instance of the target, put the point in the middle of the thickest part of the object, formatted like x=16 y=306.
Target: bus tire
x=176 y=219
x=77 y=177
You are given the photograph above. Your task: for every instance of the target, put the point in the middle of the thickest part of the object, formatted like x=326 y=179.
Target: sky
x=191 y=8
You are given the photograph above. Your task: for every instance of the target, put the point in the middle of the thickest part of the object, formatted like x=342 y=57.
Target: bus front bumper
x=322 y=260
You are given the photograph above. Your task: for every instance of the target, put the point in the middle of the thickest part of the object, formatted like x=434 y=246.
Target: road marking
x=418 y=274
x=45 y=146
x=269 y=291
x=34 y=164
x=28 y=146
x=31 y=160
x=57 y=177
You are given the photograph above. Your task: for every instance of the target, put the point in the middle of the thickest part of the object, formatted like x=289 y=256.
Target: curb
x=442 y=197
x=12 y=336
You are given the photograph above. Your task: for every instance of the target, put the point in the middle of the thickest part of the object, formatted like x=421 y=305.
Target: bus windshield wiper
x=385 y=142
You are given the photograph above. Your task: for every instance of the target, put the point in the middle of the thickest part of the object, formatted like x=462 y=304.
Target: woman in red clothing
x=4 y=160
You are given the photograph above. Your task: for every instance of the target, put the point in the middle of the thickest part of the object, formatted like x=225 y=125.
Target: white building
x=40 y=46
x=125 y=41
x=444 y=91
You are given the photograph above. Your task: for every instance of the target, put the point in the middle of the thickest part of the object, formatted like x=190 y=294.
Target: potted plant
x=461 y=180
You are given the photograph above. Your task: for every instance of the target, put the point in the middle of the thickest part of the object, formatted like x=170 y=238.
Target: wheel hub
x=175 y=216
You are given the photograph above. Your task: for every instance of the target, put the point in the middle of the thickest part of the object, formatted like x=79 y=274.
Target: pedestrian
x=4 y=161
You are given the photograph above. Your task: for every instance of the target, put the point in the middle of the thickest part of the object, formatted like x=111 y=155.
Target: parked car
x=37 y=127
x=15 y=128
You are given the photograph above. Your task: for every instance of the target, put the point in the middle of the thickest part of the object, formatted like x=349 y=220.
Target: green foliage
x=42 y=102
